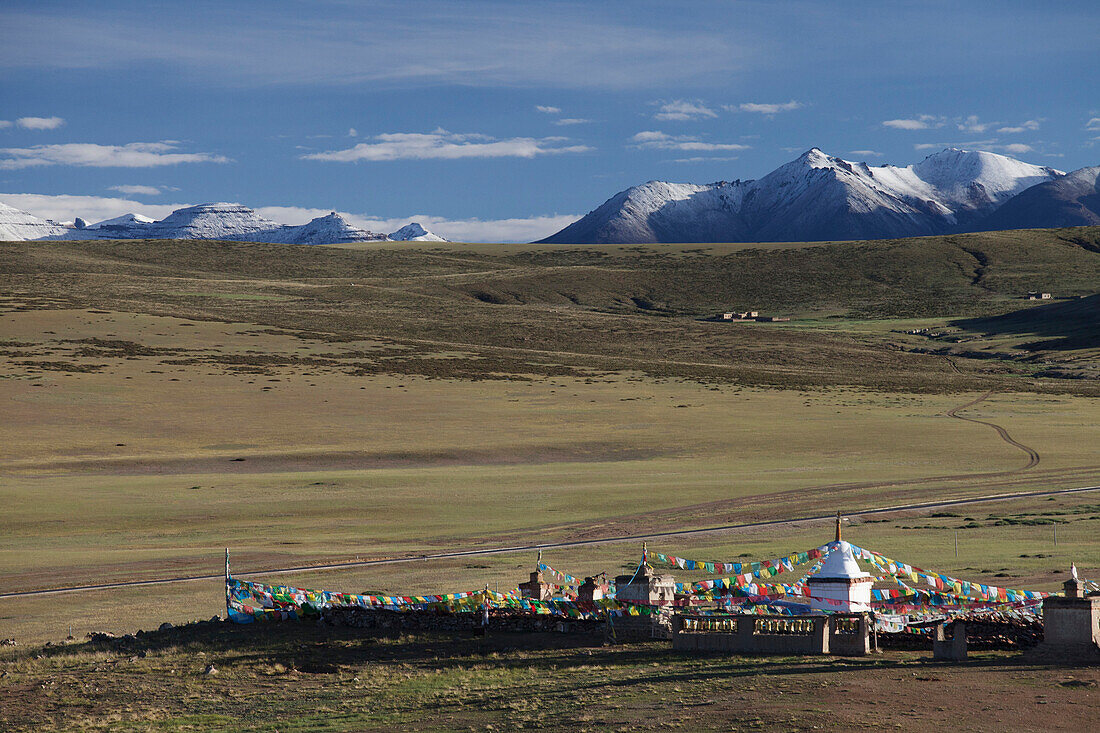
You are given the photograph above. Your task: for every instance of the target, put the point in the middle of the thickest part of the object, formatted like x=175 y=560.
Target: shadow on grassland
x=1062 y=326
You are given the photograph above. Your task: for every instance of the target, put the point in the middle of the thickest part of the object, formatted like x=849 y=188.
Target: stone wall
x=1072 y=622
x=500 y=620
x=640 y=628
x=850 y=636
x=980 y=636
x=751 y=634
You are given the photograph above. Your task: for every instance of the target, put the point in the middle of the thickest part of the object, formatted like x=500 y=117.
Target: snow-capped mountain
x=663 y=212
x=205 y=221
x=813 y=198
x=212 y=221
x=1072 y=201
x=126 y=220
x=329 y=229
x=16 y=225
x=415 y=233
x=220 y=221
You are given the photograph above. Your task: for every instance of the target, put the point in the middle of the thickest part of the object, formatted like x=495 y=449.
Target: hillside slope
x=1072 y=201
x=501 y=310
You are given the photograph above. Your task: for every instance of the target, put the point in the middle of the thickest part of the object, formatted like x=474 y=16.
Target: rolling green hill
x=851 y=302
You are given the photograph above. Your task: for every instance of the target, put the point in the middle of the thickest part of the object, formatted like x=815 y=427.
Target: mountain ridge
x=16 y=224
x=816 y=197
x=1073 y=200
x=227 y=221
x=413 y=232
x=224 y=221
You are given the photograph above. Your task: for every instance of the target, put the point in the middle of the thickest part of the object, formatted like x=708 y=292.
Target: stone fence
x=500 y=620
x=980 y=635
x=843 y=634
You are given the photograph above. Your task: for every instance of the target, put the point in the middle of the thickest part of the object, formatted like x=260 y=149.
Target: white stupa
x=840 y=580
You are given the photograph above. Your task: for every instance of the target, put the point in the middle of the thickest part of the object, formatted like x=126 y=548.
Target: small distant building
x=1037 y=295
x=740 y=315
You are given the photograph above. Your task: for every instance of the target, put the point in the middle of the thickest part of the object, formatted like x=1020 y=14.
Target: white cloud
x=647 y=136
x=525 y=229
x=657 y=140
x=131 y=155
x=520 y=229
x=64 y=207
x=682 y=109
x=441 y=144
x=5 y=124
x=548 y=110
x=920 y=122
x=572 y=121
x=906 y=124
x=987 y=145
x=40 y=123
x=352 y=132
x=970 y=144
x=769 y=109
x=866 y=153
x=1022 y=127
x=973 y=124
x=1093 y=124
x=970 y=123
x=703 y=159
x=136 y=190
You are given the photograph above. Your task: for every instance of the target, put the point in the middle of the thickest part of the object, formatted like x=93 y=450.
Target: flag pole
x=228 y=579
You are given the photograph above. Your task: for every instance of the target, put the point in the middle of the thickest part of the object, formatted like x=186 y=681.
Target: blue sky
x=504 y=120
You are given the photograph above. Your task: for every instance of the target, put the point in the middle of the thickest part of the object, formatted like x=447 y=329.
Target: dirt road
x=559 y=545
x=1032 y=454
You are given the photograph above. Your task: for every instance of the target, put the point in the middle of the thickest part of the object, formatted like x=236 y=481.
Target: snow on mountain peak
x=215 y=221
x=204 y=221
x=974 y=179
x=16 y=225
x=413 y=232
x=328 y=229
x=815 y=157
x=124 y=220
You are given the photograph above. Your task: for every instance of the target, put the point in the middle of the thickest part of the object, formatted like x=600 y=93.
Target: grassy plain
x=307 y=405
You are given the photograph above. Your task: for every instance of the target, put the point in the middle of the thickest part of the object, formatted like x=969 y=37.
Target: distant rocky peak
x=414 y=232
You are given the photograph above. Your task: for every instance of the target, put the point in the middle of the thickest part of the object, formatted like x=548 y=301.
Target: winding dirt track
x=1032 y=454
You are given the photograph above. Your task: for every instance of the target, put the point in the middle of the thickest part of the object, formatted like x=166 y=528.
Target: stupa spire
x=838 y=526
